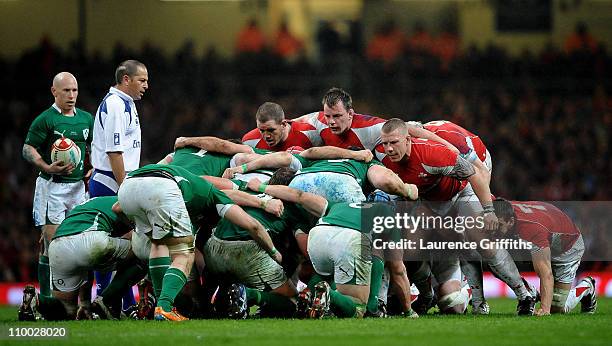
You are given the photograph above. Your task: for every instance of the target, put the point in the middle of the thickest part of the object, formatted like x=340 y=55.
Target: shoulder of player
x=364 y=120
x=297 y=126
x=253 y=134
x=83 y=112
x=432 y=153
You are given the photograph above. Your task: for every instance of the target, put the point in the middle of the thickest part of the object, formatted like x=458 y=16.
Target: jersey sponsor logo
x=116 y=138
x=85 y=134
x=56 y=132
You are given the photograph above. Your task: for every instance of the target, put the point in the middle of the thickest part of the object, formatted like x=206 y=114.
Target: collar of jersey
x=56 y=107
x=121 y=94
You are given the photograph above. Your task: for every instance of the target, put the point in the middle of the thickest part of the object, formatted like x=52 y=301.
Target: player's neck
x=65 y=112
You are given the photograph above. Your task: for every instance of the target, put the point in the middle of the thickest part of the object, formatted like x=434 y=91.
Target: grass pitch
x=499 y=328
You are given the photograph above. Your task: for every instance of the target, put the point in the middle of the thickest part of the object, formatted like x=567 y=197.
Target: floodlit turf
x=500 y=328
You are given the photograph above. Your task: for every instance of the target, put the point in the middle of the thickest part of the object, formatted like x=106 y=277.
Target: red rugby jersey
x=545 y=225
x=364 y=132
x=428 y=167
x=301 y=135
x=468 y=143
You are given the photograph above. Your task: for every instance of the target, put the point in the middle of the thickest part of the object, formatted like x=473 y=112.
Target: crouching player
x=165 y=201
x=557 y=248
x=83 y=243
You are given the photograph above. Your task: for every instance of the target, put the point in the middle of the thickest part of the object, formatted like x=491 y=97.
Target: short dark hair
x=270 y=111
x=503 y=209
x=282 y=176
x=127 y=68
x=335 y=95
x=394 y=124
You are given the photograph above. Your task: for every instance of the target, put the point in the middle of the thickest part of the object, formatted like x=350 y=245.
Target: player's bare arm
x=479 y=166
x=386 y=180
x=480 y=183
x=116 y=161
x=272 y=160
x=331 y=152
x=240 y=218
x=542 y=267
x=31 y=155
x=166 y=160
x=314 y=204
x=213 y=144
x=422 y=133
x=270 y=205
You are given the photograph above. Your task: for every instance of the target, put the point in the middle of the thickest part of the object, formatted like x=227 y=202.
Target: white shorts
x=565 y=265
x=342 y=252
x=156 y=206
x=141 y=246
x=52 y=201
x=244 y=261
x=335 y=187
x=488 y=162
x=467 y=203
x=73 y=256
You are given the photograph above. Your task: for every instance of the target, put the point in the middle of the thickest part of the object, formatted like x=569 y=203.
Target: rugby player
x=557 y=248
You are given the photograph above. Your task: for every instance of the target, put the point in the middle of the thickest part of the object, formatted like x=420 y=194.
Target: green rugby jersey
x=294 y=217
x=201 y=162
x=198 y=194
x=360 y=216
x=95 y=214
x=354 y=168
x=51 y=125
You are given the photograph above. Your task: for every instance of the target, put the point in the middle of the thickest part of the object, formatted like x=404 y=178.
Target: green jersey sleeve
x=37 y=134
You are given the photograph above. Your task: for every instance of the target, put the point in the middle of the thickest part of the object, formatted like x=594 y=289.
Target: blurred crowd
x=545 y=116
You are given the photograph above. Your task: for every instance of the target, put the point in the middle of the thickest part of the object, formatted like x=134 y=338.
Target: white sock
x=576 y=294
x=473 y=272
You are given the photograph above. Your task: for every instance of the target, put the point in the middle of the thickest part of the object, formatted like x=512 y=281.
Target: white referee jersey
x=116 y=129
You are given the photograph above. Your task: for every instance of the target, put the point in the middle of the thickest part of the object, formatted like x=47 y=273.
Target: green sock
x=272 y=304
x=341 y=305
x=126 y=276
x=44 y=276
x=157 y=269
x=378 y=268
x=253 y=296
x=173 y=283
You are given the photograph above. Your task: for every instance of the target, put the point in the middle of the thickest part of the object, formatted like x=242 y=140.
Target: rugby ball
x=65 y=150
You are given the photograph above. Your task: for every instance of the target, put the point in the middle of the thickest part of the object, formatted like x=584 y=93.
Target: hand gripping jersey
x=544 y=225
x=301 y=135
x=364 y=132
x=438 y=172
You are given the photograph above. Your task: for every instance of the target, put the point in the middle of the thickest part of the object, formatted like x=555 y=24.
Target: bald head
x=65 y=91
x=63 y=77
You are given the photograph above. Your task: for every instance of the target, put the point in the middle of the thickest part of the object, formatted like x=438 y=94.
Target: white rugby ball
x=65 y=150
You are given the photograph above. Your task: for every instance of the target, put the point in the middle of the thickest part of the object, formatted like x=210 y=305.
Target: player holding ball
x=59 y=186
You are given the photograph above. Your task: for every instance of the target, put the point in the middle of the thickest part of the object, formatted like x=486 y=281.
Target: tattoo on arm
x=463 y=169
x=27 y=153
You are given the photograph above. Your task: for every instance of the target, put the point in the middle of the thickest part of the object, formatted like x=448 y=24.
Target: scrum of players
x=275 y=221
